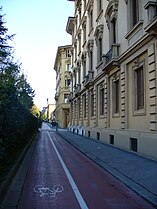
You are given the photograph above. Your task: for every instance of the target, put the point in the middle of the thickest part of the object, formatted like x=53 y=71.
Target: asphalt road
x=61 y=177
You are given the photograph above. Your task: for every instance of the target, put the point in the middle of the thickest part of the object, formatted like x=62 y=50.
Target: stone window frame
x=115 y=78
x=75 y=51
x=137 y=65
x=75 y=110
x=90 y=47
x=90 y=10
x=84 y=63
x=84 y=28
x=101 y=100
x=92 y=104
x=133 y=28
x=78 y=108
x=84 y=104
x=111 y=20
x=99 y=7
x=79 y=72
x=99 y=42
x=79 y=42
x=133 y=12
x=84 y=4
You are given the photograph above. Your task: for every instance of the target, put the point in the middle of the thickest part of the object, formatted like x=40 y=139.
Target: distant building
x=114 y=73
x=50 y=112
x=62 y=67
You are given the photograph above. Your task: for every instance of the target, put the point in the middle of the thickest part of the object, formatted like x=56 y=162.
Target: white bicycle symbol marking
x=46 y=191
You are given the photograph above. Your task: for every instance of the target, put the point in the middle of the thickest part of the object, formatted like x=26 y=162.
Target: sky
x=39 y=27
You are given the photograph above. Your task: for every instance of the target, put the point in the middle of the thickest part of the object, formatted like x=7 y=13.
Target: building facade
x=114 y=73
x=50 y=112
x=62 y=67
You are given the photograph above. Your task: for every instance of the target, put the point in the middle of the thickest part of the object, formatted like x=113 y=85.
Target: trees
x=17 y=124
x=35 y=111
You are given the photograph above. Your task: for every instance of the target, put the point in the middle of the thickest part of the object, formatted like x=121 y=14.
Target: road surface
x=61 y=177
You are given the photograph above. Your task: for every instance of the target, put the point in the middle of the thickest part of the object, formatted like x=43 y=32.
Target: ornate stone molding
x=90 y=5
x=84 y=20
x=90 y=45
x=99 y=31
x=84 y=55
x=111 y=11
x=78 y=63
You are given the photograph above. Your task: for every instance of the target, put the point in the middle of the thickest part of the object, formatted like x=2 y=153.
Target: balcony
x=70 y=97
x=66 y=88
x=151 y=8
x=110 y=59
x=56 y=95
x=77 y=89
x=67 y=74
x=88 y=79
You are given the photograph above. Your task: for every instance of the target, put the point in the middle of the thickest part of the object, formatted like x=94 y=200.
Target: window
x=84 y=105
x=76 y=22
x=80 y=15
x=92 y=104
x=68 y=53
x=111 y=19
x=134 y=12
x=98 y=136
x=116 y=95
x=75 y=78
x=139 y=88
x=75 y=106
x=75 y=46
x=84 y=66
x=90 y=20
x=91 y=60
x=90 y=54
x=113 y=31
x=98 y=38
x=79 y=40
x=79 y=75
x=69 y=67
x=66 y=98
x=102 y=101
x=99 y=48
x=99 y=4
x=112 y=139
x=78 y=105
x=67 y=82
x=84 y=4
x=133 y=144
x=84 y=33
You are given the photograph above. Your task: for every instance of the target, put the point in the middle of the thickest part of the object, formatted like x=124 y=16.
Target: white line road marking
x=76 y=191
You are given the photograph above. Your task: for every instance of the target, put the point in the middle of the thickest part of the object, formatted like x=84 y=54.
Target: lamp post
x=47 y=109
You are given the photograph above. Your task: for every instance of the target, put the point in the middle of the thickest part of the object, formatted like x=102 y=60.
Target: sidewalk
x=138 y=173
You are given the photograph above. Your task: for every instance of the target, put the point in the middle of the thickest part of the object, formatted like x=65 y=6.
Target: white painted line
x=76 y=191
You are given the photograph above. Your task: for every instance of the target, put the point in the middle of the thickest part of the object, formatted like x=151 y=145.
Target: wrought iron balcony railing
x=111 y=57
x=77 y=88
x=88 y=79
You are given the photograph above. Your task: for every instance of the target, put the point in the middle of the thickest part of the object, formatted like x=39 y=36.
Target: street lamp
x=47 y=109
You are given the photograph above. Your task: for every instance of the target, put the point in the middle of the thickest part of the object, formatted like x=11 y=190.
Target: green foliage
x=17 y=124
x=43 y=116
x=35 y=111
